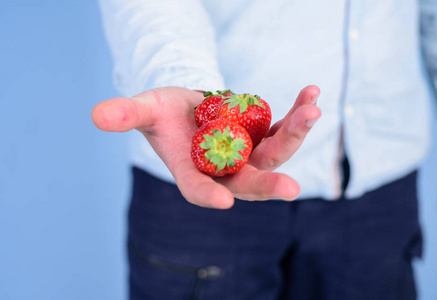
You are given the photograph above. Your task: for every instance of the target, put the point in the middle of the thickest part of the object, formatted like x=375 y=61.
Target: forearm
x=161 y=43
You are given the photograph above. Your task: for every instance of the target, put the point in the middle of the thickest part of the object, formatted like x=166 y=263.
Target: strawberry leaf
x=222 y=148
x=207 y=94
x=218 y=94
x=243 y=100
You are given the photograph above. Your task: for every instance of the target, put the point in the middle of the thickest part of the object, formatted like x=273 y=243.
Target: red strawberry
x=208 y=109
x=220 y=147
x=251 y=112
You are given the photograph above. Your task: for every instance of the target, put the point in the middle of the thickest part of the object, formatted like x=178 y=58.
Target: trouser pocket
x=156 y=277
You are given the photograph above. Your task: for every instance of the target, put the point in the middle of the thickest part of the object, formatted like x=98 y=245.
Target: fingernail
x=310 y=123
x=313 y=99
x=290 y=198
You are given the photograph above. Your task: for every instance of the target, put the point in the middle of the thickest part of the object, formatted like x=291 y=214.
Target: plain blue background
x=64 y=185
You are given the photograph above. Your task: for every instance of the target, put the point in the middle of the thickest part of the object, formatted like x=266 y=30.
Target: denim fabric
x=315 y=249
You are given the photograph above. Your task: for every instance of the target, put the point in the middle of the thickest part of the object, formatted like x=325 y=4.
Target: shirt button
x=349 y=110
x=354 y=34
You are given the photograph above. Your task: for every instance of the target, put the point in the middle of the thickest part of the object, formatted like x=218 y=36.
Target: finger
x=277 y=149
x=252 y=184
x=200 y=189
x=308 y=95
x=123 y=114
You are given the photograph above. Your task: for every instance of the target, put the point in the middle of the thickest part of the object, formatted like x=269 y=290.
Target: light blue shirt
x=365 y=56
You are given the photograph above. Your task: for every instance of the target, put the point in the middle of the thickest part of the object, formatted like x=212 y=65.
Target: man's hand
x=165 y=116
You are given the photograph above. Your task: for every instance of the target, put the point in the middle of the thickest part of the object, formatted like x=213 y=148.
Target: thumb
x=122 y=114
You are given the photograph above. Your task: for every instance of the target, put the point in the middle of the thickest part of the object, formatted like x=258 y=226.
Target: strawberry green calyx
x=243 y=100
x=218 y=94
x=223 y=149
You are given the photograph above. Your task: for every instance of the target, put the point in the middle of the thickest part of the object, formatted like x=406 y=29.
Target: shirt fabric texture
x=370 y=59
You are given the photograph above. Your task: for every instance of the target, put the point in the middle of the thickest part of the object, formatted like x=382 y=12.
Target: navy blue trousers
x=311 y=249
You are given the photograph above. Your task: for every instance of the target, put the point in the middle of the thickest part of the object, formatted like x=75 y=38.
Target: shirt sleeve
x=428 y=31
x=161 y=43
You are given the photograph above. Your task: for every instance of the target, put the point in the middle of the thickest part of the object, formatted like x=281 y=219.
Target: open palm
x=165 y=116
